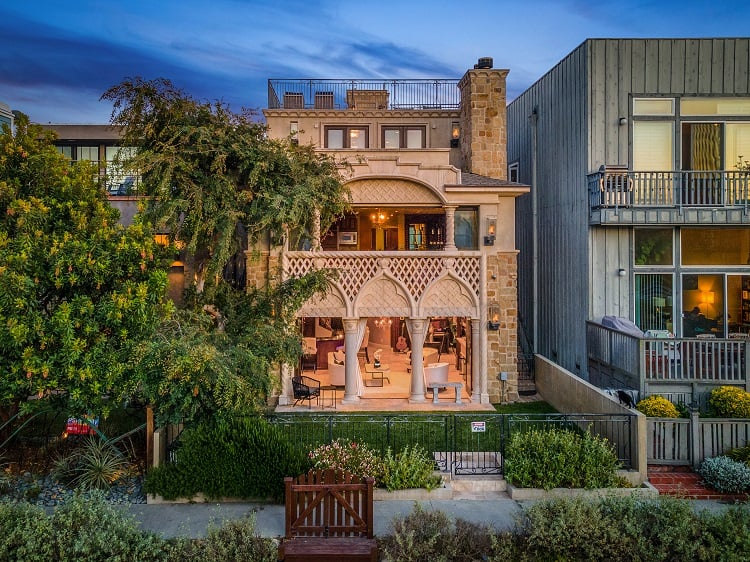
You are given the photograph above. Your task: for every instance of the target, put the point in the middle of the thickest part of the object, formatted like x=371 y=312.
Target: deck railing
x=615 y=186
x=370 y=94
x=680 y=365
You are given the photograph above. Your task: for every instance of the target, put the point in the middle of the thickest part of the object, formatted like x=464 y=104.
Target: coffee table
x=377 y=374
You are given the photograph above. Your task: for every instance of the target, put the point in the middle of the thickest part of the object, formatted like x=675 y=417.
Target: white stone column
x=478 y=360
x=286 y=396
x=351 y=366
x=417 y=327
x=450 y=228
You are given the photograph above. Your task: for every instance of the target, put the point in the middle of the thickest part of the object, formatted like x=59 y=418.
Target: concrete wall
x=569 y=393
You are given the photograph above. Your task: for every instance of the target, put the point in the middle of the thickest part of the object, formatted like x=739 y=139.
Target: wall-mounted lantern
x=490 y=230
x=455 y=134
x=493 y=317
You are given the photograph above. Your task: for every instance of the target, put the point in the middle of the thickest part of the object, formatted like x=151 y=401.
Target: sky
x=57 y=58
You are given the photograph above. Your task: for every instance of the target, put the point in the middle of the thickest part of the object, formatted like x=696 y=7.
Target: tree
x=78 y=291
x=217 y=183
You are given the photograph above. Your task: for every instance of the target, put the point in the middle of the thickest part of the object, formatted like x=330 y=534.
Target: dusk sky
x=57 y=58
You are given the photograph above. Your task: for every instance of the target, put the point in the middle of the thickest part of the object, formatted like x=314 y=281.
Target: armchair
x=306 y=388
x=337 y=371
x=436 y=373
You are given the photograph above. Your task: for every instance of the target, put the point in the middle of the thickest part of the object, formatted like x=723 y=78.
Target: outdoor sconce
x=623 y=121
x=621 y=272
x=491 y=228
x=493 y=315
x=455 y=134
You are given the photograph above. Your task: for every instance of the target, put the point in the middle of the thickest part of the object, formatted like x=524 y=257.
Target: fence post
x=694 y=438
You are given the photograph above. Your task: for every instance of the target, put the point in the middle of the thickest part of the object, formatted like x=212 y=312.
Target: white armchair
x=436 y=373
x=337 y=370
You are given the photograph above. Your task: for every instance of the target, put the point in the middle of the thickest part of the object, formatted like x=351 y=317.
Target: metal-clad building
x=634 y=149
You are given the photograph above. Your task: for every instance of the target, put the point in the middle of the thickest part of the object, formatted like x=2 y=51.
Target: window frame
x=403 y=134
x=346 y=132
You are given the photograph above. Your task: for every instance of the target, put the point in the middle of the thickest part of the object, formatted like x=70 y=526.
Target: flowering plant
x=730 y=402
x=656 y=406
x=343 y=454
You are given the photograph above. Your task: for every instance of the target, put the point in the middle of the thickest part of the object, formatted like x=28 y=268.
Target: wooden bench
x=328 y=517
x=436 y=386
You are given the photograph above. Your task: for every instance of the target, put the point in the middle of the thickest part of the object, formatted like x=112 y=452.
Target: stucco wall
x=571 y=394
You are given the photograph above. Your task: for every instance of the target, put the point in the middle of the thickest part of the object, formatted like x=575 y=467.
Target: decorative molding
x=384 y=191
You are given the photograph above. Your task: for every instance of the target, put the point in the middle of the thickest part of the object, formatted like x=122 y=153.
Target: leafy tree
x=218 y=184
x=77 y=291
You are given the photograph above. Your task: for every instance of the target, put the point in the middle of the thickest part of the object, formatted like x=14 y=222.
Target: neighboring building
x=430 y=243
x=6 y=115
x=100 y=144
x=636 y=151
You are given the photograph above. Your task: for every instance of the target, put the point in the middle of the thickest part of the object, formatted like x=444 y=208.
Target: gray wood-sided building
x=637 y=154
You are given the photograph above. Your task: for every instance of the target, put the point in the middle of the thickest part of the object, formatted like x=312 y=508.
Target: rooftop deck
x=378 y=94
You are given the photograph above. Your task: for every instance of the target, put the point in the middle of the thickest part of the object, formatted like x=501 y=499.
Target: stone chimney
x=483 y=120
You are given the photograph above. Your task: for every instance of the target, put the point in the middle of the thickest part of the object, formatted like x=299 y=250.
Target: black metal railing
x=363 y=94
x=616 y=186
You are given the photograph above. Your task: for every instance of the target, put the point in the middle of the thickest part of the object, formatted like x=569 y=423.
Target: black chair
x=306 y=388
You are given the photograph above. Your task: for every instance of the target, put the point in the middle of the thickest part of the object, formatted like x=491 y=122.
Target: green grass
x=538 y=407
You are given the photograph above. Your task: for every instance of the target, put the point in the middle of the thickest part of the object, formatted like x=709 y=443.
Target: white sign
x=477 y=427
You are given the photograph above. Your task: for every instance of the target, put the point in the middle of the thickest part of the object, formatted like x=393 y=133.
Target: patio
x=394 y=394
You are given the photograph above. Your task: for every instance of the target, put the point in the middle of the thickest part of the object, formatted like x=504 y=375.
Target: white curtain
x=361 y=327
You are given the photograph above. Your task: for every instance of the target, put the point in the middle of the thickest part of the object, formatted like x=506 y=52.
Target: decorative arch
x=383 y=296
x=449 y=295
x=378 y=190
x=333 y=304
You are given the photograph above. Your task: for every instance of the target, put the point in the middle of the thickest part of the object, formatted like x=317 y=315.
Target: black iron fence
x=460 y=443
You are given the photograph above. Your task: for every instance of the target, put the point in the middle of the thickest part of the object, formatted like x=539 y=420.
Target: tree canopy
x=217 y=183
x=78 y=292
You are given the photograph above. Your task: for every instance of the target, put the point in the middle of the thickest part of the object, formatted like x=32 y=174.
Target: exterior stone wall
x=484 y=133
x=502 y=344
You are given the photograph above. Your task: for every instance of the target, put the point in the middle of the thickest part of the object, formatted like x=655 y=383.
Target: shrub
x=410 y=468
x=725 y=475
x=656 y=406
x=741 y=454
x=86 y=528
x=234 y=540
x=96 y=464
x=730 y=402
x=431 y=536
x=25 y=533
x=234 y=457
x=343 y=454
x=556 y=458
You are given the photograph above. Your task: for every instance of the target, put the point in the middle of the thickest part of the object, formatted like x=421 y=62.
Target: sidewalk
x=193 y=520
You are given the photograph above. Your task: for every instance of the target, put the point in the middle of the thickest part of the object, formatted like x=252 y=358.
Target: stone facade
x=483 y=122
x=502 y=344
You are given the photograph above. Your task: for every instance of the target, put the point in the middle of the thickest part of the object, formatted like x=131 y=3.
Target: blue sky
x=57 y=58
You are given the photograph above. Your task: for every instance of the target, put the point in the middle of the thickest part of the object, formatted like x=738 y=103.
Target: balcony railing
x=416 y=270
x=675 y=363
x=614 y=187
x=363 y=94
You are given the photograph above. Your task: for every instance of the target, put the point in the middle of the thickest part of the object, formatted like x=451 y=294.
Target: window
x=715 y=246
x=653 y=146
x=715 y=106
x=653 y=246
x=513 y=172
x=346 y=137
x=120 y=180
x=404 y=136
x=653 y=106
x=466 y=221
x=653 y=302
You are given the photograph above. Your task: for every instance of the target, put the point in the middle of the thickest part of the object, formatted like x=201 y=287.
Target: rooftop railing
x=363 y=94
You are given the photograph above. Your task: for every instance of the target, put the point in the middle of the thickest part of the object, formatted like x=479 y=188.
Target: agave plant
x=96 y=464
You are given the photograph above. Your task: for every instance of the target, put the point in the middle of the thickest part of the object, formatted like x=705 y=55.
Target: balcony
x=621 y=196
x=415 y=272
x=685 y=368
x=330 y=94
